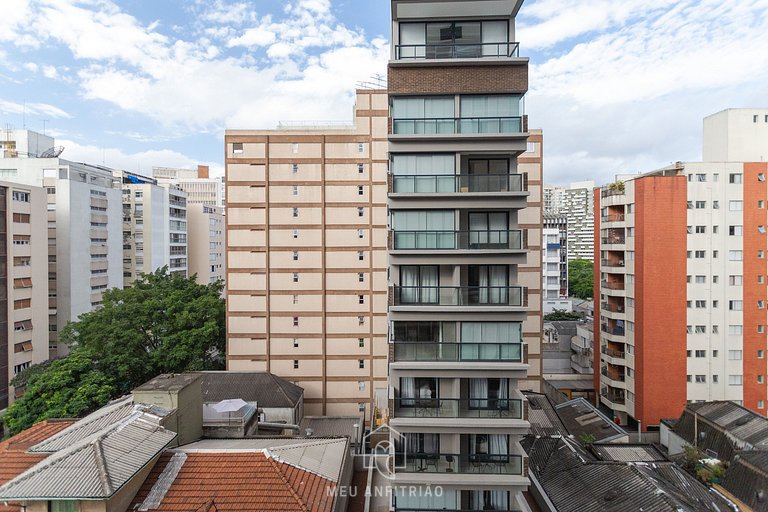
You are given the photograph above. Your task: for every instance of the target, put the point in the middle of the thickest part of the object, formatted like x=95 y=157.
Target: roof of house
x=582 y=418
x=329 y=426
x=268 y=390
x=15 y=458
x=747 y=478
x=575 y=483
x=624 y=452
x=321 y=456
x=542 y=416
x=94 y=422
x=723 y=427
x=95 y=466
x=245 y=475
x=169 y=382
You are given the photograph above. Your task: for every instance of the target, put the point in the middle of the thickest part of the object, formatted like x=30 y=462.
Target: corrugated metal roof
x=747 y=476
x=94 y=422
x=329 y=426
x=268 y=390
x=580 y=417
x=95 y=466
x=627 y=452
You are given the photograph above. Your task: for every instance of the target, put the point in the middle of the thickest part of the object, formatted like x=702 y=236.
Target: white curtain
x=412 y=34
x=407 y=390
x=488 y=500
x=431 y=443
x=498 y=226
x=498 y=284
x=499 y=500
x=497 y=444
x=483 y=283
x=429 y=283
x=421 y=499
x=437 y=114
x=424 y=173
x=409 y=282
x=495 y=32
x=503 y=389
x=476 y=107
x=478 y=393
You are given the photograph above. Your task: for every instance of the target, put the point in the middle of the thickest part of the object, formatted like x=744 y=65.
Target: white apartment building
x=576 y=203
x=200 y=188
x=205 y=242
x=154 y=227
x=84 y=233
x=24 y=290
x=554 y=267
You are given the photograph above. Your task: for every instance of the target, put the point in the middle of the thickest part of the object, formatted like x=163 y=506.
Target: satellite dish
x=52 y=152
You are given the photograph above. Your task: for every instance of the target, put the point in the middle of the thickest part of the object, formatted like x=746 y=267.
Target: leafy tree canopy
x=580 y=278
x=560 y=315
x=164 y=323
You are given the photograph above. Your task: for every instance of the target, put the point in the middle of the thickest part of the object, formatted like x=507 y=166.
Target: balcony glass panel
x=490 y=239
x=444 y=183
x=451 y=352
x=455 y=40
x=460 y=295
x=509 y=408
x=420 y=462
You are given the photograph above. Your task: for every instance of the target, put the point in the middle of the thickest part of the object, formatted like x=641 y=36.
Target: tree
x=581 y=279
x=164 y=323
x=560 y=315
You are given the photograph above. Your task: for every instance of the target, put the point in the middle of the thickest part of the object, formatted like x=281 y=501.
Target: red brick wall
x=458 y=79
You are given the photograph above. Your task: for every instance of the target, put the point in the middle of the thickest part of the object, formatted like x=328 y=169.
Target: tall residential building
x=307 y=259
x=681 y=270
x=154 y=227
x=576 y=204
x=84 y=234
x=464 y=255
x=200 y=188
x=554 y=269
x=205 y=243
x=24 y=283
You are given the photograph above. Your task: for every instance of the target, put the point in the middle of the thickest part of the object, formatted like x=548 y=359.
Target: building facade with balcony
x=205 y=242
x=554 y=265
x=307 y=259
x=575 y=203
x=680 y=268
x=464 y=255
x=155 y=230
x=84 y=239
x=24 y=280
x=199 y=186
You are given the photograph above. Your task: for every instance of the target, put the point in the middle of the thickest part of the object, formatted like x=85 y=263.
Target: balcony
x=613 y=240
x=457 y=240
x=613 y=378
x=453 y=183
x=612 y=308
x=457 y=352
x=612 y=331
x=459 y=296
x=457 y=51
x=613 y=355
x=615 y=398
x=457 y=125
x=613 y=217
x=613 y=285
x=507 y=408
x=612 y=263
x=491 y=464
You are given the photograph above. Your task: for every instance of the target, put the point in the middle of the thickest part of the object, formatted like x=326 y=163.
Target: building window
x=735 y=305
x=360 y=168
x=760 y=203
x=701 y=229
x=294 y=168
x=18 y=195
x=237 y=148
x=701 y=353
x=295 y=299
x=760 y=379
x=735 y=230
x=716 y=205
x=295 y=255
x=295 y=190
x=700 y=254
x=735 y=380
x=760 y=404
x=360 y=212
x=735 y=255
x=361 y=342
x=294 y=148
x=701 y=279
x=715 y=353
x=295 y=343
x=734 y=355
x=295 y=364
x=760 y=304
x=734 y=178
x=715 y=329
x=760 y=354
x=735 y=206
x=701 y=177
x=295 y=233
x=360 y=190
x=700 y=205
x=689 y=378
x=361 y=299
x=735 y=330
x=360 y=277
x=295 y=277
x=360 y=147
x=361 y=320
x=295 y=321
x=700 y=304
x=361 y=363
x=701 y=329
x=701 y=379
x=760 y=254
x=295 y=212
x=360 y=255
x=735 y=280
x=360 y=233
x=760 y=329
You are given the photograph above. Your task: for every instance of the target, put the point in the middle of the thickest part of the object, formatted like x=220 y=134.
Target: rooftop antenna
x=44 y=121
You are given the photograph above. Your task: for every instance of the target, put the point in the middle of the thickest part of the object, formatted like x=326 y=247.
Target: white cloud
x=258 y=36
x=43 y=109
x=30 y=66
x=50 y=72
x=140 y=162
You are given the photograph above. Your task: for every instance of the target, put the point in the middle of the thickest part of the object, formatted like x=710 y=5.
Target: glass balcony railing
x=474 y=239
x=460 y=125
x=460 y=295
x=456 y=51
x=510 y=408
x=451 y=183
x=449 y=352
x=484 y=463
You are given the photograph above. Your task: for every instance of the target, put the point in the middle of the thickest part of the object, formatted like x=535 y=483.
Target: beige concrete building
x=24 y=283
x=205 y=243
x=306 y=256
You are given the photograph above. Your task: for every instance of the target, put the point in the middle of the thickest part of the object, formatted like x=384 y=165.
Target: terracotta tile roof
x=14 y=456
x=237 y=481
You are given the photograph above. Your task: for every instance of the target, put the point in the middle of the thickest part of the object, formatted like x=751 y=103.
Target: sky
x=618 y=86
